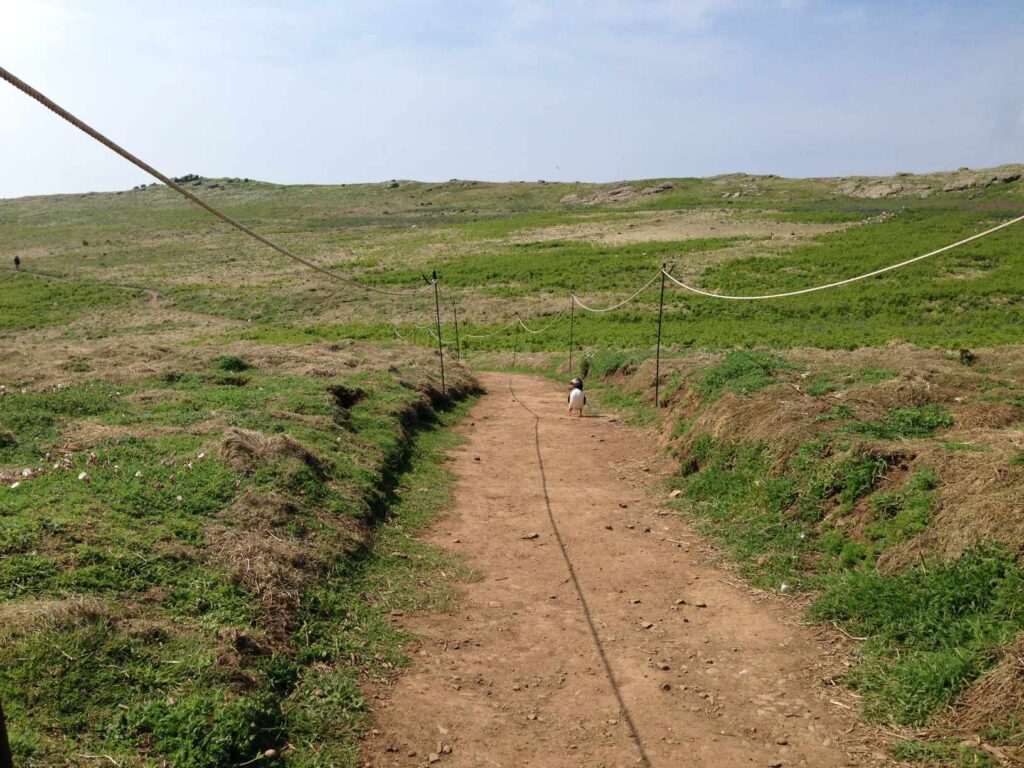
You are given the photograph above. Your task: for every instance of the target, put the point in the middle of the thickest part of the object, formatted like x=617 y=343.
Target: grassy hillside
x=507 y=249
x=191 y=568
x=188 y=430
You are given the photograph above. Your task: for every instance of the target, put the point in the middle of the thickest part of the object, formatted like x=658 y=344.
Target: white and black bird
x=576 y=399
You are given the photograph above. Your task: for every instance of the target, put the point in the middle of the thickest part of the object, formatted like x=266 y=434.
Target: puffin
x=576 y=399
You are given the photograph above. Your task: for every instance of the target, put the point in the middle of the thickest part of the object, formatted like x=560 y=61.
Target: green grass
x=932 y=629
x=478 y=236
x=133 y=635
x=820 y=517
x=948 y=752
x=192 y=633
x=28 y=303
x=906 y=422
x=741 y=373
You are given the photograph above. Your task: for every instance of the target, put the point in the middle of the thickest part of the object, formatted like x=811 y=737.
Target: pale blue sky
x=593 y=90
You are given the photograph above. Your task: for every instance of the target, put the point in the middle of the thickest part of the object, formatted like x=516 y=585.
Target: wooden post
x=657 y=359
x=437 y=317
x=458 y=345
x=515 y=351
x=572 y=327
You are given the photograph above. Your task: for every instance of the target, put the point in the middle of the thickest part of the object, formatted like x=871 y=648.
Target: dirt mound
x=272 y=568
x=979 y=497
x=246 y=450
x=619 y=193
x=923 y=185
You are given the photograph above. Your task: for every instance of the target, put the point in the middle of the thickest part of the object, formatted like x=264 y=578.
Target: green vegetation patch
x=741 y=372
x=932 y=630
x=191 y=578
x=906 y=421
x=28 y=302
x=821 y=523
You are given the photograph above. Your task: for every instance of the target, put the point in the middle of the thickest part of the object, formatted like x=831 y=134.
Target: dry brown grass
x=245 y=450
x=31 y=615
x=996 y=701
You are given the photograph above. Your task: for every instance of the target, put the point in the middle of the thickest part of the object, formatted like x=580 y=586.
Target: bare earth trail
x=525 y=673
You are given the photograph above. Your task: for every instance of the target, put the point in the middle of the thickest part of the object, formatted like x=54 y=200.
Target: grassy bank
x=197 y=567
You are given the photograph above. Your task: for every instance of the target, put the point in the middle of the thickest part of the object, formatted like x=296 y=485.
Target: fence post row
x=440 y=344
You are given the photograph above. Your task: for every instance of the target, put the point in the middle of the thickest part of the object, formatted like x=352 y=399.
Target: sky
x=342 y=91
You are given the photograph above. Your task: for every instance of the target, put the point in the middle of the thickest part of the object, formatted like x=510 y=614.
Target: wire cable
x=28 y=90
x=645 y=286
x=848 y=280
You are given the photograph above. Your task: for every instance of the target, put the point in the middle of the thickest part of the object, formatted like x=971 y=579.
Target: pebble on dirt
x=530 y=536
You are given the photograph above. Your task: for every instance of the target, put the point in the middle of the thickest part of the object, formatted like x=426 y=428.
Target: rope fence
x=433 y=284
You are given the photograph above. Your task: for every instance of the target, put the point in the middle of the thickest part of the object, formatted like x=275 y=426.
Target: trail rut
x=607 y=639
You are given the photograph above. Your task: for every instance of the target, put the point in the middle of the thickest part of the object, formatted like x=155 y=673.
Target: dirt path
x=600 y=663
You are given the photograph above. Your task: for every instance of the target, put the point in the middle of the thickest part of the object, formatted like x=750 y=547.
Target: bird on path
x=576 y=397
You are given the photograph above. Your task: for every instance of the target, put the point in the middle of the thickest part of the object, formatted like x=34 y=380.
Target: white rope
x=488 y=335
x=848 y=280
x=621 y=303
x=553 y=321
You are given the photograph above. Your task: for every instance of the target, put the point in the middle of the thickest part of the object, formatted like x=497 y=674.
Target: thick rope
x=488 y=335
x=546 y=327
x=63 y=113
x=848 y=280
x=645 y=286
